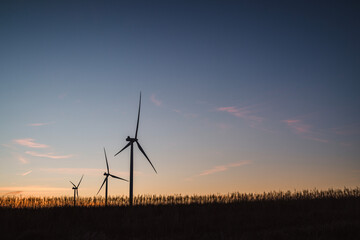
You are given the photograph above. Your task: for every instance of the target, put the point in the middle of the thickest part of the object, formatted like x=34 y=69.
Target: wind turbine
x=76 y=192
x=107 y=174
x=131 y=144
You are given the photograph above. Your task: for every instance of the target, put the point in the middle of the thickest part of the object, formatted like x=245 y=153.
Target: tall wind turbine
x=107 y=174
x=131 y=144
x=76 y=192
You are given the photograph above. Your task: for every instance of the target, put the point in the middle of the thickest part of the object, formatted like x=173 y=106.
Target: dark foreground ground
x=292 y=219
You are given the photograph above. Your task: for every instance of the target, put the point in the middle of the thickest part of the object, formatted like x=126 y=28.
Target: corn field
x=237 y=197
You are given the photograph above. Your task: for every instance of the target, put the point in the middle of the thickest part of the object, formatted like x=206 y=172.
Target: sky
x=237 y=96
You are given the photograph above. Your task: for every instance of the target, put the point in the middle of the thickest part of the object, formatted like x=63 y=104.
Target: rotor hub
x=129 y=139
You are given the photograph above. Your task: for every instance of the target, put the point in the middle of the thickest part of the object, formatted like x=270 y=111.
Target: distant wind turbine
x=107 y=174
x=76 y=192
x=131 y=143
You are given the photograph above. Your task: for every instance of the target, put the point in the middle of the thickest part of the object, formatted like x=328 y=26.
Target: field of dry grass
x=40 y=202
x=332 y=214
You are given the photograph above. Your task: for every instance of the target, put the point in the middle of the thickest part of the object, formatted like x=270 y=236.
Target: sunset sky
x=245 y=96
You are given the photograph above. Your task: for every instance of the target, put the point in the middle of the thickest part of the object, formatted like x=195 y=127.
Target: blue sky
x=245 y=96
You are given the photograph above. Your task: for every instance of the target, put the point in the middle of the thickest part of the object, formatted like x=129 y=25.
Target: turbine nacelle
x=129 y=139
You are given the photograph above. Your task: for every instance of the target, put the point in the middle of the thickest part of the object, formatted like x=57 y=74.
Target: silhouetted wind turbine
x=107 y=174
x=131 y=144
x=76 y=192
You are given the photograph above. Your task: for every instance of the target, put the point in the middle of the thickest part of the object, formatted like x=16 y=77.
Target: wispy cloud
x=347 y=130
x=62 y=95
x=223 y=126
x=214 y=170
x=23 y=160
x=220 y=168
x=243 y=112
x=86 y=171
x=156 y=101
x=9 y=146
x=29 y=142
x=47 y=155
x=304 y=130
x=317 y=139
x=298 y=126
x=187 y=115
x=26 y=173
x=74 y=171
x=36 y=190
x=39 y=124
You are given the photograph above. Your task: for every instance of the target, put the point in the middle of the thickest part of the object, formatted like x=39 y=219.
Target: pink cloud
x=157 y=102
x=223 y=168
x=244 y=112
x=186 y=114
x=352 y=129
x=23 y=160
x=62 y=96
x=74 y=171
x=213 y=170
x=317 y=139
x=34 y=189
x=223 y=126
x=304 y=130
x=9 y=146
x=29 y=142
x=47 y=155
x=297 y=126
x=26 y=173
x=346 y=144
x=86 y=171
x=238 y=164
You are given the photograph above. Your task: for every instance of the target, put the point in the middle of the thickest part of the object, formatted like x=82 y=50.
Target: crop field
x=40 y=202
x=331 y=214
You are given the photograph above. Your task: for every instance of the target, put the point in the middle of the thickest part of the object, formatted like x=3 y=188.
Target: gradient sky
x=245 y=96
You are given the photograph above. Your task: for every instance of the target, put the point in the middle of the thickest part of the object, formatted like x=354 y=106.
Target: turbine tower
x=131 y=144
x=107 y=174
x=76 y=192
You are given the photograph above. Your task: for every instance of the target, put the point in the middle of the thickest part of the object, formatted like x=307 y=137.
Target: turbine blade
x=80 y=180
x=137 y=125
x=107 y=165
x=102 y=185
x=142 y=150
x=72 y=183
x=77 y=192
x=123 y=148
x=118 y=177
